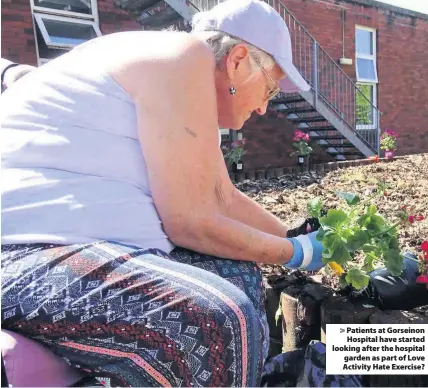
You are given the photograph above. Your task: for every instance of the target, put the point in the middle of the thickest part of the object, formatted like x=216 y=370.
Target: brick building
x=394 y=39
x=337 y=44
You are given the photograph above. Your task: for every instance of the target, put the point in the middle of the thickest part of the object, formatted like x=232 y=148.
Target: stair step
x=137 y=5
x=344 y=153
x=328 y=137
x=160 y=19
x=288 y=99
x=304 y=109
x=308 y=120
x=345 y=145
x=318 y=129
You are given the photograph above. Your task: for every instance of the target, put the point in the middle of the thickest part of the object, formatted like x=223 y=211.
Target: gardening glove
x=310 y=225
x=307 y=253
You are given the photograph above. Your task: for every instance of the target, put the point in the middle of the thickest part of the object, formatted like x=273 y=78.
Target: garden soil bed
x=311 y=300
x=407 y=178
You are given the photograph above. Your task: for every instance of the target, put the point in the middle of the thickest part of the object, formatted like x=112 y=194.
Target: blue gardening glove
x=307 y=253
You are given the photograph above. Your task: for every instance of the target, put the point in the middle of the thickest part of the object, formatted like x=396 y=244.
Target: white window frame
x=70 y=16
x=366 y=56
x=47 y=10
x=42 y=61
x=39 y=19
x=374 y=103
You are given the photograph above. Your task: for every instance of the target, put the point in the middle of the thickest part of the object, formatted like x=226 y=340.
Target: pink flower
x=300 y=136
x=422 y=279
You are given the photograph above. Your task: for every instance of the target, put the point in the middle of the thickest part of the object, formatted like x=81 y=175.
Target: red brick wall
x=114 y=19
x=269 y=143
x=17 y=34
x=402 y=60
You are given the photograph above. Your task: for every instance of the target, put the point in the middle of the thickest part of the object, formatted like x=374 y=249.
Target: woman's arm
x=176 y=110
x=248 y=211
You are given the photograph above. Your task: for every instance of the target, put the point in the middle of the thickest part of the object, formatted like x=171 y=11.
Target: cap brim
x=294 y=82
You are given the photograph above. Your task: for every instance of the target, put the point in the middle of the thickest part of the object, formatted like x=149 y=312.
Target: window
x=58 y=31
x=365 y=101
x=367 y=79
x=61 y=25
x=66 y=6
x=365 y=43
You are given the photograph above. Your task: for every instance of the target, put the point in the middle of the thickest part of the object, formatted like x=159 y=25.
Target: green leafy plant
x=388 y=140
x=300 y=143
x=235 y=152
x=357 y=238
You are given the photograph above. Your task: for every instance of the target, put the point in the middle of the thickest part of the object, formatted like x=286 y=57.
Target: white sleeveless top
x=73 y=170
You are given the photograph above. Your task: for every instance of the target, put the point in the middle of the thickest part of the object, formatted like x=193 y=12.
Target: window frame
x=40 y=23
x=46 y=10
x=372 y=57
x=374 y=103
x=37 y=10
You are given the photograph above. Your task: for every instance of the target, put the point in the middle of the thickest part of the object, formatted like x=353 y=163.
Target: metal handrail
x=326 y=78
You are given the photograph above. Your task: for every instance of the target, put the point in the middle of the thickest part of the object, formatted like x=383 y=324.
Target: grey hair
x=221 y=43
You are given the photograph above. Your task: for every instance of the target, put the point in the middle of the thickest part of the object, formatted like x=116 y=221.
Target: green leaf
x=368 y=262
x=351 y=199
x=342 y=281
x=314 y=207
x=394 y=243
x=323 y=232
x=334 y=218
x=331 y=239
x=394 y=262
x=357 y=278
x=357 y=240
x=340 y=254
x=375 y=224
x=326 y=256
x=346 y=233
x=369 y=248
x=372 y=210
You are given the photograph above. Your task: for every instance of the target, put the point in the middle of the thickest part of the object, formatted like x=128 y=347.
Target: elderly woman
x=126 y=248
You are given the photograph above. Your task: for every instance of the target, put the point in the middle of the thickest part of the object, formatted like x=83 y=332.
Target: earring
x=232 y=90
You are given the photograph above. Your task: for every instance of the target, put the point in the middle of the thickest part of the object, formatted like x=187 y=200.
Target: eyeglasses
x=273 y=92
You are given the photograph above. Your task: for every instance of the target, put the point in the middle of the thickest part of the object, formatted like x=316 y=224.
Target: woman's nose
x=262 y=109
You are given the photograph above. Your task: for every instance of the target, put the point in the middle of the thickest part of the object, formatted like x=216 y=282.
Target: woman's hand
x=307 y=253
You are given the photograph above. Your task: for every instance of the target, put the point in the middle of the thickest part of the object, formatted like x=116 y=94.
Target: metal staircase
x=335 y=112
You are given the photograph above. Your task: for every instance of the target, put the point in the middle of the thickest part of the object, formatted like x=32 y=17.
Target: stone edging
x=280 y=171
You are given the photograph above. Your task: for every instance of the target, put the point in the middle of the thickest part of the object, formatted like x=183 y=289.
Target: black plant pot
x=302 y=160
x=398 y=292
x=238 y=167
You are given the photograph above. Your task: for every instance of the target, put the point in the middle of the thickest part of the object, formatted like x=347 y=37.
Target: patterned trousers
x=139 y=317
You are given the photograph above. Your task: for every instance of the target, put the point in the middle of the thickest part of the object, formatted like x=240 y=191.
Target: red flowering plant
x=357 y=238
x=300 y=143
x=388 y=140
x=423 y=265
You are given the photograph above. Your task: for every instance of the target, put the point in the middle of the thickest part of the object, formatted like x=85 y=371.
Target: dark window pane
x=80 y=6
x=45 y=51
x=364 y=42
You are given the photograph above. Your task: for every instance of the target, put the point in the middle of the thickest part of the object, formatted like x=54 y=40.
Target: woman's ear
x=236 y=58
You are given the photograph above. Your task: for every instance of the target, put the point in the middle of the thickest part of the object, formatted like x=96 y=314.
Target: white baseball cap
x=259 y=24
